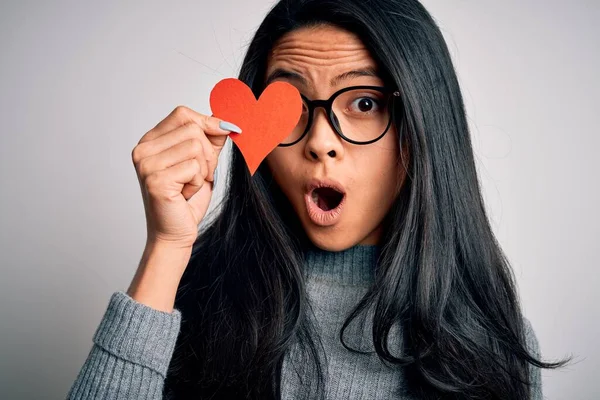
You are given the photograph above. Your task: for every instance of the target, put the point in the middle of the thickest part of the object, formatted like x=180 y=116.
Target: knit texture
x=336 y=282
x=134 y=343
x=133 y=346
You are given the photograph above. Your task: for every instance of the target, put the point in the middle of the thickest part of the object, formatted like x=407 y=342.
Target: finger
x=182 y=115
x=179 y=178
x=186 y=150
x=211 y=156
x=188 y=132
x=199 y=199
x=161 y=143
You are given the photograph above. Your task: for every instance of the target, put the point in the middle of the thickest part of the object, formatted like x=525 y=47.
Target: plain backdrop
x=81 y=83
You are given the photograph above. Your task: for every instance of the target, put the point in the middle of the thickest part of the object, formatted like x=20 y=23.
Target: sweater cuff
x=138 y=333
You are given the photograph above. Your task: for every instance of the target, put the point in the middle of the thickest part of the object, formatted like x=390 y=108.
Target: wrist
x=157 y=278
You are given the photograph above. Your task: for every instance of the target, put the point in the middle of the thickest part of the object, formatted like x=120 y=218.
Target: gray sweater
x=134 y=343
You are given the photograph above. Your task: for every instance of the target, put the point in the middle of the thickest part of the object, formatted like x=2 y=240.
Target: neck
x=353 y=266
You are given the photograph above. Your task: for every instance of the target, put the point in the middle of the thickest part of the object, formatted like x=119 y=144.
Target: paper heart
x=265 y=123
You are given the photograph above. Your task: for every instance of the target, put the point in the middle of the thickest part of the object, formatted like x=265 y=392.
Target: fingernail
x=228 y=126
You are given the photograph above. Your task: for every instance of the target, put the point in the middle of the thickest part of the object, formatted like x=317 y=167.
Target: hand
x=175 y=164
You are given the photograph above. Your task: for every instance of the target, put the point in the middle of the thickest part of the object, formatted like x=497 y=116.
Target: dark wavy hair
x=441 y=275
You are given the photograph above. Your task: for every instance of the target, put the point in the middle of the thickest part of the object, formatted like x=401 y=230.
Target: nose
x=323 y=142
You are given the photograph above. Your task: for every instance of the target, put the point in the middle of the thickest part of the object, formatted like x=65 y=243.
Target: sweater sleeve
x=535 y=373
x=132 y=349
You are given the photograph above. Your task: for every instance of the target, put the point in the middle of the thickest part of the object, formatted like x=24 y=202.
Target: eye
x=364 y=105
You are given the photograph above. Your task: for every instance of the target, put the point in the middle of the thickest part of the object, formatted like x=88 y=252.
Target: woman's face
x=319 y=61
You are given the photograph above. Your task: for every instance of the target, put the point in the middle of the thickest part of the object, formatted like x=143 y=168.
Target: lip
x=316 y=215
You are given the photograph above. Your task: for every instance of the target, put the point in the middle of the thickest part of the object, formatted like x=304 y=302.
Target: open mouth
x=326 y=198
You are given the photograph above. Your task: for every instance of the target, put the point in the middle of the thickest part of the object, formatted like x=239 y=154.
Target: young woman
x=358 y=262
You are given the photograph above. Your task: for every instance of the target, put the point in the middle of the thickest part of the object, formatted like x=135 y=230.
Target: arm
x=132 y=349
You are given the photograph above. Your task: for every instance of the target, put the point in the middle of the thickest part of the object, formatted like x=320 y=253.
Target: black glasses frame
x=331 y=117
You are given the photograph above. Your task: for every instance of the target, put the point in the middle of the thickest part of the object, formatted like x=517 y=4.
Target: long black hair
x=441 y=275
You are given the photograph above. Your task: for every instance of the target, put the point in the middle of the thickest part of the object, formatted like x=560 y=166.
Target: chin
x=331 y=240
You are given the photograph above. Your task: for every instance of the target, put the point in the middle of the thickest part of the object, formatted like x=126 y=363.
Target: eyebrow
x=354 y=74
x=294 y=76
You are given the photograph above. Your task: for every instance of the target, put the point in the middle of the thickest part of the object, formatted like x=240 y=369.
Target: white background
x=80 y=84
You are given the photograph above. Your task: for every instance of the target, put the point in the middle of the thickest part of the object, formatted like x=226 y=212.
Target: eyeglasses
x=359 y=114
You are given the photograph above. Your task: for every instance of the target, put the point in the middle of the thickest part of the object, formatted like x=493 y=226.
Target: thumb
x=200 y=201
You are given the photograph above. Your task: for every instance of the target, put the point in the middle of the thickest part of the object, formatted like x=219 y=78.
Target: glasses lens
x=362 y=114
x=300 y=127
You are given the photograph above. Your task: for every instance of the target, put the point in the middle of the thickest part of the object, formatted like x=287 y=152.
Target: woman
x=358 y=262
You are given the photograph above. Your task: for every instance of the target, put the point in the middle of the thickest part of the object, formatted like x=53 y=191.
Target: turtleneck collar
x=353 y=266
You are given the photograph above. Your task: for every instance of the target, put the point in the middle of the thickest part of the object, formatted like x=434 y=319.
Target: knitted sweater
x=134 y=343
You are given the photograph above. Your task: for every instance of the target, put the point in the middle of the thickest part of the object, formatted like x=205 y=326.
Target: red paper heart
x=264 y=123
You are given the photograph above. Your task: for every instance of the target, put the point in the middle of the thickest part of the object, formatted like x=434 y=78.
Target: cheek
x=382 y=156
x=281 y=164
x=380 y=171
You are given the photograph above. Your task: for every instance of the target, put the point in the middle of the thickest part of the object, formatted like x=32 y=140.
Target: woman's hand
x=175 y=163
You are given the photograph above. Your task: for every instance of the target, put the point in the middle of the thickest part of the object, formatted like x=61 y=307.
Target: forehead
x=320 y=54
